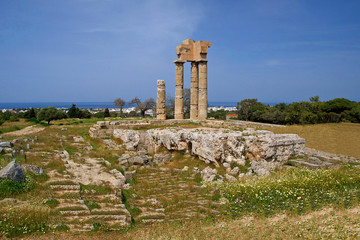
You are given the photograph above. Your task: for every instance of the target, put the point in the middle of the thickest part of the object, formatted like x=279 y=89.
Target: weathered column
x=203 y=104
x=179 y=89
x=194 y=91
x=160 y=100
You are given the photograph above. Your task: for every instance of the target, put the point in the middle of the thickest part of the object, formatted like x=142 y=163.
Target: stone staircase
x=81 y=210
x=165 y=195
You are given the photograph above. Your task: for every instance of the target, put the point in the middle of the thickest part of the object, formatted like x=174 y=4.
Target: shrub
x=9 y=188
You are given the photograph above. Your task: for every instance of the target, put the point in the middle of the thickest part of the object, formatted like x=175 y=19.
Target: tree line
x=49 y=114
x=304 y=112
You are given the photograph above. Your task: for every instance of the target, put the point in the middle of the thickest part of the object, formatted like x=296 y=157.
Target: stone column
x=194 y=91
x=179 y=89
x=160 y=100
x=203 y=104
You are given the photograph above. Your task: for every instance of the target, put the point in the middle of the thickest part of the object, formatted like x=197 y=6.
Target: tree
x=338 y=105
x=187 y=102
x=74 y=112
x=143 y=106
x=120 y=103
x=30 y=114
x=106 y=112
x=170 y=107
x=50 y=113
x=245 y=107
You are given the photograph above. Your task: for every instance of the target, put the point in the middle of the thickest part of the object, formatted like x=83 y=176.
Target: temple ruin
x=196 y=53
x=160 y=100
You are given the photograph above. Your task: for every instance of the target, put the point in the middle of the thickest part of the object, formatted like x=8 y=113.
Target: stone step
x=80 y=227
x=65 y=187
x=150 y=220
x=66 y=194
x=308 y=165
x=109 y=211
x=75 y=212
x=122 y=220
x=102 y=197
x=71 y=205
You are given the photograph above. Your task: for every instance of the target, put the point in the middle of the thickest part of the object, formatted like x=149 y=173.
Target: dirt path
x=25 y=131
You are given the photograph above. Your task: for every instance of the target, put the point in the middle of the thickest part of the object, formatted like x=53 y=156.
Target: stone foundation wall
x=104 y=129
x=216 y=146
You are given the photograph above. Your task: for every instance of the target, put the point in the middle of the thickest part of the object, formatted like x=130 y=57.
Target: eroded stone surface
x=214 y=146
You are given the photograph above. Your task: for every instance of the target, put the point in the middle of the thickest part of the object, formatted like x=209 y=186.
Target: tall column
x=203 y=104
x=194 y=91
x=179 y=89
x=160 y=100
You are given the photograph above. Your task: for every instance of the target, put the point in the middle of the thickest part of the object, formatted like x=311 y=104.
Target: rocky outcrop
x=13 y=171
x=216 y=146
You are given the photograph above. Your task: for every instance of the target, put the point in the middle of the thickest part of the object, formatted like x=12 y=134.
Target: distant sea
x=90 y=105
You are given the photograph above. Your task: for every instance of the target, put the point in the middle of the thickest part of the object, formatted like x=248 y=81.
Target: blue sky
x=98 y=50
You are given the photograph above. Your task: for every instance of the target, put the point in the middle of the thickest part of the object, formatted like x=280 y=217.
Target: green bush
x=9 y=188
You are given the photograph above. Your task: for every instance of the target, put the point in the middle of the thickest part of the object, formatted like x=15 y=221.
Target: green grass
x=295 y=190
x=52 y=202
x=91 y=205
x=14 y=126
x=21 y=219
x=97 y=189
x=9 y=188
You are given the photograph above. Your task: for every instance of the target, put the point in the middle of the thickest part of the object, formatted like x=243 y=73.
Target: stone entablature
x=196 y=53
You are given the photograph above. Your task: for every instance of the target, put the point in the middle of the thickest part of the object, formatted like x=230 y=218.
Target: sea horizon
x=95 y=105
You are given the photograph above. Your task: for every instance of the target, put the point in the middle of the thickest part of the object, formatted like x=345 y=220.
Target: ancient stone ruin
x=194 y=52
x=160 y=100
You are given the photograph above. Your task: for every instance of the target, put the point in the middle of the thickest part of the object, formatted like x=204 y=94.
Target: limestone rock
x=33 y=168
x=6 y=144
x=208 y=174
x=13 y=171
x=226 y=165
x=234 y=171
x=261 y=168
x=15 y=141
x=124 y=159
x=160 y=158
x=215 y=146
x=230 y=178
x=139 y=160
x=120 y=179
x=129 y=175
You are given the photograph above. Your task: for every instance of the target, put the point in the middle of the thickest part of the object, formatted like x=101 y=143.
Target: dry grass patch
x=14 y=126
x=334 y=224
x=339 y=138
